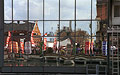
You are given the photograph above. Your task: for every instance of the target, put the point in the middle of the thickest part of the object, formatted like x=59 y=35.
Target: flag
x=45 y=34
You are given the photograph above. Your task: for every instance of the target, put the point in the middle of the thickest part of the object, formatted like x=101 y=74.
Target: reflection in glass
x=67 y=9
x=94 y=28
x=37 y=28
x=37 y=43
x=7 y=9
x=83 y=9
x=81 y=45
x=67 y=46
x=67 y=28
x=94 y=9
x=51 y=9
x=19 y=13
x=51 y=28
x=7 y=38
x=51 y=46
x=35 y=9
x=83 y=27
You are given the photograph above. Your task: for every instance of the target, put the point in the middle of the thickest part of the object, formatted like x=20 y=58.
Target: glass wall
x=55 y=32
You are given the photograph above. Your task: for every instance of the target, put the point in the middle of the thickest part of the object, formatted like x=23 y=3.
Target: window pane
x=102 y=8
x=67 y=28
x=7 y=9
x=84 y=27
x=51 y=28
x=117 y=11
x=81 y=45
x=35 y=58
x=32 y=41
x=51 y=9
x=94 y=9
x=50 y=49
x=36 y=9
x=67 y=9
x=7 y=38
x=83 y=9
x=94 y=28
x=20 y=9
x=37 y=28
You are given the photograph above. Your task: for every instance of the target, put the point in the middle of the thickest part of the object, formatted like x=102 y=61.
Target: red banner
x=87 y=47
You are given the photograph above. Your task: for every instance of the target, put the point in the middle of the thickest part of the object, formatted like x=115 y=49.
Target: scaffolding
x=115 y=55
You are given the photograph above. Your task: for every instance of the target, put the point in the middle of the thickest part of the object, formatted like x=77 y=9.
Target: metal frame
x=108 y=35
x=1 y=34
x=50 y=69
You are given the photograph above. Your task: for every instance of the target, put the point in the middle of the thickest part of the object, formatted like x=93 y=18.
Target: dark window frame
x=116 y=10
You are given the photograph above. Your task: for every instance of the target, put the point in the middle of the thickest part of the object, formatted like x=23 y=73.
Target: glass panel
x=51 y=28
x=66 y=43
x=82 y=45
x=67 y=28
x=67 y=9
x=51 y=9
x=101 y=9
x=94 y=9
x=67 y=51
x=35 y=58
x=19 y=9
x=7 y=38
x=7 y=9
x=94 y=28
x=36 y=9
x=37 y=27
x=117 y=11
x=51 y=53
x=37 y=43
x=100 y=46
x=83 y=28
x=83 y=9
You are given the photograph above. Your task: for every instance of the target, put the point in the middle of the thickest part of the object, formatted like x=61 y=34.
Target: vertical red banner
x=92 y=47
x=87 y=47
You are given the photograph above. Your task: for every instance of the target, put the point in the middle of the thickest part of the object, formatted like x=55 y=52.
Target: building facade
x=102 y=15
